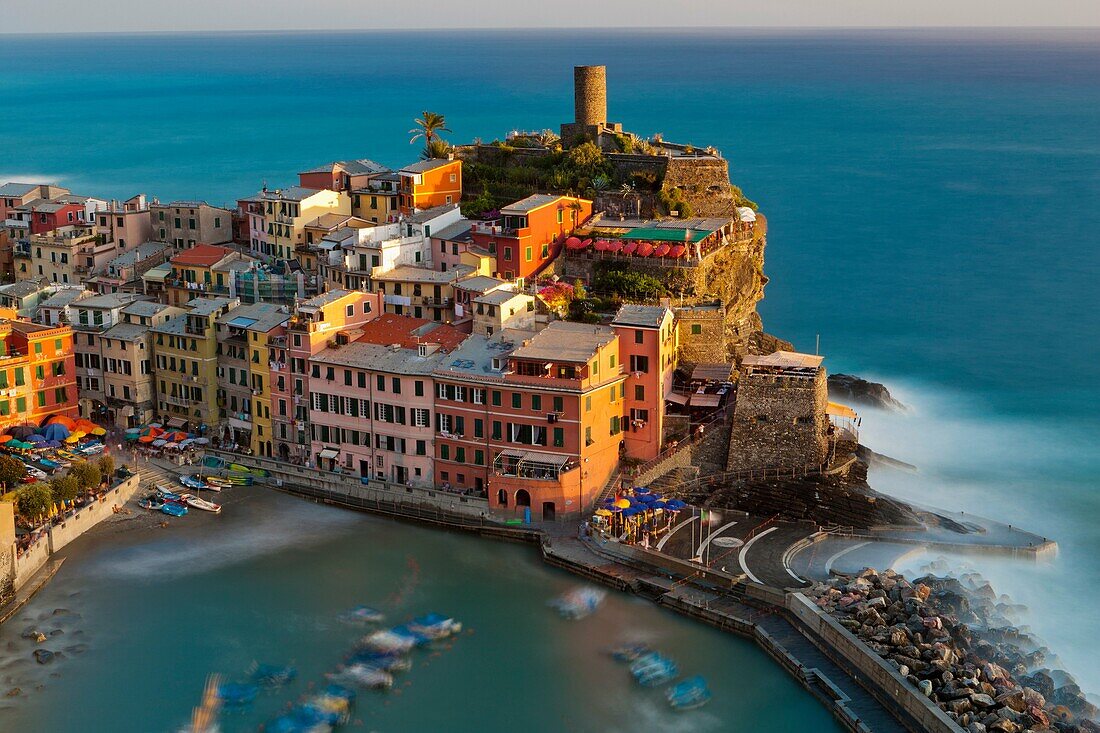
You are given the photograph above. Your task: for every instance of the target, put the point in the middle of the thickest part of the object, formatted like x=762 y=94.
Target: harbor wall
x=886 y=682
x=89 y=516
x=31 y=561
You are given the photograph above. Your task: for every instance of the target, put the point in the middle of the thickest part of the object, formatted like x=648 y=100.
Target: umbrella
x=608 y=500
x=675 y=504
x=146 y=439
x=134 y=431
x=622 y=503
x=661 y=251
x=659 y=505
x=614 y=509
x=656 y=496
x=202 y=441
x=629 y=248
x=603 y=513
x=68 y=422
x=614 y=246
x=52 y=444
x=185 y=443
x=645 y=249
x=678 y=251
x=55 y=431
x=647 y=498
x=602 y=245
x=177 y=436
x=172 y=445
x=72 y=438
x=574 y=243
x=155 y=425
x=5 y=438
x=641 y=489
x=36 y=438
x=159 y=442
x=22 y=431
x=98 y=431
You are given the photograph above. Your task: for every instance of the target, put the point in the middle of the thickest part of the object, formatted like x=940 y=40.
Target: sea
x=932 y=199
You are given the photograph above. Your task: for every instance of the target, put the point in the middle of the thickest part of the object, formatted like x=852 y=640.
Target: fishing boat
x=196 y=503
x=579 y=602
x=362 y=615
x=309 y=717
x=435 y=626
x=153 y=502
x=364 y=675
x=382 y=660
x=173 y=509
x=237 y=694
x=221 y=483
x=690 y=694
x=272 y=675
x=630 y=652
x=335 y=701
x=194 y=482
x=653 y=669
x=240 y=479
x=167 y=494
x=390 y=641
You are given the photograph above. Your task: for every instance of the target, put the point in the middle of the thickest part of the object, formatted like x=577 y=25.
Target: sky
x=74 y=16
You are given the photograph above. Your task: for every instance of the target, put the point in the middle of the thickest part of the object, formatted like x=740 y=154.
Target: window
x=517 y=401
x=696 y=329
x=396 y=383
x=639 y=364
x=380 y=383
x=639 y=392
x=496 y=394
x=478 y=396
x=559 y=404
x=588 y=436
x=421 y=417
x=528 y=254
x=588 y=403
x=637 y=415
x=418 y=388
x=536 y=402
x=443 y=422
x=479 y=428
x=507 y=253
x=615 y=424
x=559 y=437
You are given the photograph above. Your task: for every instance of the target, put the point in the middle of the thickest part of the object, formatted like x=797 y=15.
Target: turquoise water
x=159 y=609
x=931 y=200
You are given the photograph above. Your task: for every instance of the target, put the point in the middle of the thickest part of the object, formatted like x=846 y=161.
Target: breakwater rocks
x=849 y=388
x=953 y=641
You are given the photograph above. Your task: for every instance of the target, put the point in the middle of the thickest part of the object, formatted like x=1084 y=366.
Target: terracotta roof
x=202 y=255
x=389 y=328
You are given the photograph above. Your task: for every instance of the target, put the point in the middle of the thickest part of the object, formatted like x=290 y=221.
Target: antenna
x=817 y=346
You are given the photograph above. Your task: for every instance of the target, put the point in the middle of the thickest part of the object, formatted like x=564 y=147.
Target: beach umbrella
x=146 y=439
x=155 y=425
x=603 y=513
x=656 y=496
x=622 y=503
x=641 y=489
x=72 y=439
x=36 y=438
x=159 y=442
x=5 y=438
x=22 y=431
x=659 y=505
x=608 y=500
x=98 y=431
x=675 y=505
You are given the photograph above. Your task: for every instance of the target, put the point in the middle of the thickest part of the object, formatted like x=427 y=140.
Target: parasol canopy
x=677 y=251
x=603 y=513
x=645 y=249
x=661 y=250
x=159 y=442
x=574 y=243
x=36 y=438
x=22 y=431
x=629 y=248
x=615 y=246
x=622 y=503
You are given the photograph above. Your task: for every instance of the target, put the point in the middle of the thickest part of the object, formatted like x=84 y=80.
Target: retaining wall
x=87 y=517
x=31 y=561
x=885 y=681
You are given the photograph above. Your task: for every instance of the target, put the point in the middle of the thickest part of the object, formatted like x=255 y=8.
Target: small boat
x=167 y=494
x=221 y=483
x=435 y=626
x=362 y=615
x=390 y=641
x=309 y=717
x=334 y=700
x=653 y=669
x=173 y=509
x=579 y=602
x=194 y=483
x=364 y=675
x=272 y=675
x=690 y=694
x=382 y=660
x=237 y=479
x=196 y=503
x=236 y=694
x=152 y=502
x=630 y=652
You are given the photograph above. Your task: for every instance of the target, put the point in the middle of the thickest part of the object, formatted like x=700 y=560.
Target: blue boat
x=362 y=615
x=237 y=694
x=382 y=660
x=690 y=694
x=272 y=675
x=435 y=626
x=167 y=495
x=654 y=669
x=630 y=652
x=193 y=483
x=175 y=510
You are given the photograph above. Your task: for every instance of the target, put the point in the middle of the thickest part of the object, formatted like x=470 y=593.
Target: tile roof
x=425 y=215
x=126 y=332
x=202 y=255
x=206 y=306
x=23 y=288
x=457 y=232
x=480 y=283
x=499 y=296
x=390 y=328
x=145 y=308
x=530 y=203
x=324 y=299
x=422 y=166
x=646 y=316
x=565 y=341
x=379 y=358
x=362 y=166
x=412 y=273
x=261 y=317
x=110 y=300
x=138 y=253
x=65 y=297
x=17 y=189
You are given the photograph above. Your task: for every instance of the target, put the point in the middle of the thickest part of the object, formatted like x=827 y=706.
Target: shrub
x=86 y=474
x=12 y=470
x=64 y=488
x=106 y=466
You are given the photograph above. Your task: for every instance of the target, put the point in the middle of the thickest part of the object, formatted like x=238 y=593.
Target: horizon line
x=498 y=29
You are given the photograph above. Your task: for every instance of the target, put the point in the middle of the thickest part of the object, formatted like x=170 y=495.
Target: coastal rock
x=850 y=388
x=13 y=692
x=43 y=656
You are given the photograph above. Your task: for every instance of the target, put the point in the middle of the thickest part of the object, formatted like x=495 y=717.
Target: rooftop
x=712 y=372
x=474 y=357
x=110 y=300
x=334 y=221
x=23 y=288
x=783 y=361
x=261 y=317
x=499 y=296
x=184 y=204
x=206 y=306
x=362 y=166
x=535 y=201
x=644 y=316
x=379 y=358
x=425 y=215
x=423 y=166
x=318 y=301
x=412 y=273
x=126 y=332
x=138 y=253
x=17 y=189
x=480 y=283
x=565 y=341
x=64 y=297
x=144 y=308
x=457 y=232
x=202 y=255
x=389 y=328
x=292 y=193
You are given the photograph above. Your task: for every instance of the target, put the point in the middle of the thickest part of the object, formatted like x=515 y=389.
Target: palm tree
x=438 y=148
x=428 y=127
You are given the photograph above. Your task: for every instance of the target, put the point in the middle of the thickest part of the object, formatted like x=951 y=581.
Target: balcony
x=533 y=465
x=177 y=401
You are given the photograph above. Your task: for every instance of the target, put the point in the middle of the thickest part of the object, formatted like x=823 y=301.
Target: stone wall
x=81 y=521
x=703 y=333
x=779 y=422
x=704 y=182
x=31 y=561
x=7 y=549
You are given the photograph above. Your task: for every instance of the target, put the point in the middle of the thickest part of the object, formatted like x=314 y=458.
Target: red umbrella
x=629 y=248
x=601 y=245
x=574 y=243
x=678 y=251
x=661 y=251
x=614 y=246
x=645 y=249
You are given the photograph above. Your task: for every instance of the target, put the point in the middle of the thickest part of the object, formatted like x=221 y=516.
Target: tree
x=12 y=471
x=64 y=488
x=436 y=149
x=106 y=465
x=87 y=475
x=34 y=501
x=428 y=127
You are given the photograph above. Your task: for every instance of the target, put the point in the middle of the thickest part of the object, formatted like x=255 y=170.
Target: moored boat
x=195 y=502
x=364 y=675
x=236 y=694
x=630 y=652
x=218 y=481
x=195 y=483
x=390 y=641
x=272 y=675
x=435 y=626
x=362 y=615
x=167 y=494
x=578 y=602
x=173 y=509
x=654 y=669
x=153 y=502
x=689 y=694
x=389 y=662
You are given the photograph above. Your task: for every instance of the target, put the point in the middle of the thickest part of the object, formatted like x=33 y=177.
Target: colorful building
x=65 y=255
x=537 y=422
x=429 y=183
x=530 y=233
x=188 y=223
x=648 y=343
x=125 y=352
x=332 y=317
x=127 y=223
x=91 y=318
x=37 y=372
x=419 y=292
x=379 y=200
x=287 y=211
x=341 y=175
x=195 y=273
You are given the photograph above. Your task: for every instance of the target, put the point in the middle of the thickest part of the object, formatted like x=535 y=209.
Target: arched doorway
x=502 y=497
x=523 y=498
x=549 y=513
x=284 y=452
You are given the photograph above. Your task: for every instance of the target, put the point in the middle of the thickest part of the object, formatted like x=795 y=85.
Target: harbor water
x=931 y=203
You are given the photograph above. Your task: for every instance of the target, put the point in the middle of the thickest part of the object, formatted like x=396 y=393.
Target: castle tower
x=589 y=95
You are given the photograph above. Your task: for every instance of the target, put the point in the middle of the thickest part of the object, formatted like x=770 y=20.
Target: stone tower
x=589 y=96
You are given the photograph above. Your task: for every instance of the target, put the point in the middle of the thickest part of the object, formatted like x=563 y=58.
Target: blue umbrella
x=609 y=500
x=647 y=498
x=631 y=512
x=675 y=504
x=614 y=509
x=659 y=505
x=36 y=439
x=52 y=444
x=656 y=496
x=641 y=490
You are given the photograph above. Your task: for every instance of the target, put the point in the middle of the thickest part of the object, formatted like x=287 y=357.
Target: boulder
x=1013 y=699
x=982 y=700
x=43 y=656
x=850 y=388
x=925 y=686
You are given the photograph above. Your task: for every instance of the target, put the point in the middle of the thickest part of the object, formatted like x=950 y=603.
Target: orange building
x=37 y=372
x=530 y=233
x=429 y=183
x=539 y=428
x=648 y=343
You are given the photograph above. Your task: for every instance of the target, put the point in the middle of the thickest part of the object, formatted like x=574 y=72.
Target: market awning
x=712 y=372
x=676 y=398
x=328 y=453
x=176 y=422
x=838 y=410
x=236 y=422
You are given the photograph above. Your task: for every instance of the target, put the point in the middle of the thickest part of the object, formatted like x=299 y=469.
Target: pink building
x=336 y=316
x=127 y=224
x=371 y=401
x=648 y=343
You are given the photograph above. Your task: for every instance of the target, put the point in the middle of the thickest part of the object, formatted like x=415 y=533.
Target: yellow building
x=287 y=212
x=186 y=364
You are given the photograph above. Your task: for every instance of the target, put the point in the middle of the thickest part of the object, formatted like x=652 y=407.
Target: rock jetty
x=849 y=388
x=954 y=644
